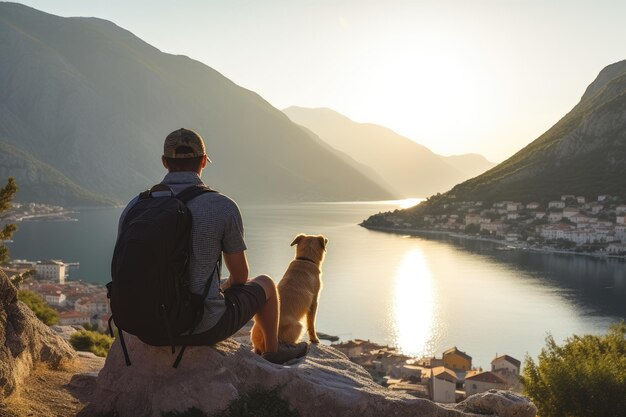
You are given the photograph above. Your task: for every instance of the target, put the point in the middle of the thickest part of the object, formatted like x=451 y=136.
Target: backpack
x=150 y=293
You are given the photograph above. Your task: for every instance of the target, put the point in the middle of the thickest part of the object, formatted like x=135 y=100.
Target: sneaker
x=287 y=352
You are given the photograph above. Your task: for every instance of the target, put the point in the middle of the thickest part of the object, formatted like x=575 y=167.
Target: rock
x=66 y=331
x=24 y=340
x=324 y=383
x=502 y=403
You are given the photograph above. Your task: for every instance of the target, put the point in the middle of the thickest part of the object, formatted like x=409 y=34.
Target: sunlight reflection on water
x=414 y=326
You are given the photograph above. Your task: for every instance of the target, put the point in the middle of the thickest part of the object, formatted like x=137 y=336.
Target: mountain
x=410 y=167
x=95 y=102
x=584 y=153
x=40 y=182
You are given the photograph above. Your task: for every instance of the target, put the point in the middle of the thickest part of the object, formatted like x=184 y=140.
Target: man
x=217 y=230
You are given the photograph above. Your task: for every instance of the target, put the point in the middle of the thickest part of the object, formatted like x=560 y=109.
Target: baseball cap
x=184 y=138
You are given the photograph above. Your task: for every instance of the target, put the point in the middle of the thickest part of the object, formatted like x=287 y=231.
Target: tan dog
x=298 y=291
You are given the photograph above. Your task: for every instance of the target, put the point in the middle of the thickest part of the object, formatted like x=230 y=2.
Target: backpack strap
x=192 y=192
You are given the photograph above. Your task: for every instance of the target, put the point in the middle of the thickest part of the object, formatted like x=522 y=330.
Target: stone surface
x=66 y=332
x=502 y=403
x=24 y=340
x=324 y=383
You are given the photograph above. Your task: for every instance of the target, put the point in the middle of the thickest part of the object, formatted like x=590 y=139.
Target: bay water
x=422 y=294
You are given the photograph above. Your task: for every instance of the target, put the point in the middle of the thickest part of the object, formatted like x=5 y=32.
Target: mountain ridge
x=409 y=166
x=94 y=101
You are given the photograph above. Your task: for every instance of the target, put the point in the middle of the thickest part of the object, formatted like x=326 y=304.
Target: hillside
x=38 y=182
x=94 y=102
x=584 y=153
x=410 y=167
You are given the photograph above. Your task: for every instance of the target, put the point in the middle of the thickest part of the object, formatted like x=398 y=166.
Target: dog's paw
x=314 y=339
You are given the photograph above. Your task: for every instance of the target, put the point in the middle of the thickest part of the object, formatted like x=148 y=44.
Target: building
x=492 y=227
x=580 y=199
x=472 y=218
x=556 y=204
x=357 y=347
x=72 y=317
x=95 y=305
x=555 y=216
x=53 y=270
x=567 y=197
x=442 y=384
x=506 y=362
x=570 y=212
x=455 y=359
x=477 y=382
x=596 y=208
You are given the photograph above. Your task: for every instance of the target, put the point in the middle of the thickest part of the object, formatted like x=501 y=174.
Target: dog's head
x=311 y=247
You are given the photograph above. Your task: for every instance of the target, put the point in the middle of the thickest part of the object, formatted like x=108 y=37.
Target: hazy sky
x=456 y=76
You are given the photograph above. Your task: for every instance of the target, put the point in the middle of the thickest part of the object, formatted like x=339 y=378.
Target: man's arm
x=237 y=265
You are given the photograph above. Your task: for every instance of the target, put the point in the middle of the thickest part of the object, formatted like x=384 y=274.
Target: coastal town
x=22 y=212
x=447 y=379
x=571 y=223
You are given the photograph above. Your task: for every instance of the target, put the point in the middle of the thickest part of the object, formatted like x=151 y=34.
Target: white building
x=556 y=204
x=442 y=382
x=570 y=212
x=506 y=362
x=555 y=216
x=596 y=208
x=532 y=206
x=481 y=382
x=52 y=269
x=567 y=197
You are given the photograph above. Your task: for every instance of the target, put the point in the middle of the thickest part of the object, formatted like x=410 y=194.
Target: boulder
x=24 y=340
x=502 y=403
x=324 y=383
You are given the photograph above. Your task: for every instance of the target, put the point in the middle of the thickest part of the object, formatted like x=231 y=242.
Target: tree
x=6 y=195
x=586 y=377
x=42 y=310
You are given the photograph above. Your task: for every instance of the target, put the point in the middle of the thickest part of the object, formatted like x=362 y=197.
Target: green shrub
x=586 y=377
x=90 y=341
x=42 y=310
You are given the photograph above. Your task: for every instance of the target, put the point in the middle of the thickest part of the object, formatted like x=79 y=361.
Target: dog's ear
x=297 y=239
x=323 y=241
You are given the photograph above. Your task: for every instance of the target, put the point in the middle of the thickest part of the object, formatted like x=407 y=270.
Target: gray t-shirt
x=216 y=227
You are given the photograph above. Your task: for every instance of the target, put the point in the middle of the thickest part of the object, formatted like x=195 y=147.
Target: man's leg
x=267 y=316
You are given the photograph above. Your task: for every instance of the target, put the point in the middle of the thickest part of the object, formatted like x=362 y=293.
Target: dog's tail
x=289 y=330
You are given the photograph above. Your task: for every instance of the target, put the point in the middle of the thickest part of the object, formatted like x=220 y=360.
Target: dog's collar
x=302 y=258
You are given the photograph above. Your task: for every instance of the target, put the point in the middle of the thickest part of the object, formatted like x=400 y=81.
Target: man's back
x=216 y=227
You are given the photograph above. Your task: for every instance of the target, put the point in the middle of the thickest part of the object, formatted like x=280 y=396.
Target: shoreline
x=511 y=245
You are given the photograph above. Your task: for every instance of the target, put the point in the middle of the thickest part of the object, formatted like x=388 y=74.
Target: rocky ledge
x=24 y=341
x=324 y=383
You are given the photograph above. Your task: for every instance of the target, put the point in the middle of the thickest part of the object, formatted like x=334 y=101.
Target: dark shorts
x=242 y=303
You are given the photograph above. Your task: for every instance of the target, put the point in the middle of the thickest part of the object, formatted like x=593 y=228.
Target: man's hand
x=237 y=265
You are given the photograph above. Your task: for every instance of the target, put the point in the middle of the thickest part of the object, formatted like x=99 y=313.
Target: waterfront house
x=616 y=248
x=472 y=218
x=493 y=227
x=477 y=382
x=52 y=269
